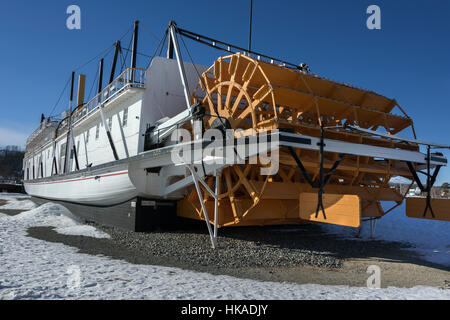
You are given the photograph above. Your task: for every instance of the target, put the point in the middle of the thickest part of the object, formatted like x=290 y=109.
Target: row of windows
x=110 y=125
x=97 y=134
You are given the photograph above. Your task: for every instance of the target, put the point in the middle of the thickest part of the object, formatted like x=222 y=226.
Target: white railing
x=35 y=133
x=42 y=126
x=130 y=78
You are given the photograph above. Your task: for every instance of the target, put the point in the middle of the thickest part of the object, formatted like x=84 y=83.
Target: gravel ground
x=11 y=212
x=280 y=246
x=238 y=247
x=300 y=254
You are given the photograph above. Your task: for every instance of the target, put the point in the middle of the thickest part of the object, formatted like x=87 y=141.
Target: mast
x=100 y=78
x=114 y=63
x=250 y=28
x=170 y=48
x=134 y=49
x=69 y=130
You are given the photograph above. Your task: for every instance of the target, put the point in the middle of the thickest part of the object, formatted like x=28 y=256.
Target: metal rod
x=250 y=28
x=227 y=47
x=195 y=179
x=302 y=168
x=173 y=35
x=100 y=105
x=321 y=174
x=75 y=154
x=100 y=77
x=216 y=205
x=394 y=137
x=54 y=166
x=429 y=185
x=200 y=196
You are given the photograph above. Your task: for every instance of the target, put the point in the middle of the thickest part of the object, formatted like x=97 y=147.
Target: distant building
x=414 y=191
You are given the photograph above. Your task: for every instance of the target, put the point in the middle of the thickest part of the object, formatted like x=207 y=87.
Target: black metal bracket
x=323 y=179
x=431 y=179
x=75 y=154
x=54 y=166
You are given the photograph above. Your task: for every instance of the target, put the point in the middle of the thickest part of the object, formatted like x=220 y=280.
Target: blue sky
x=408 y=59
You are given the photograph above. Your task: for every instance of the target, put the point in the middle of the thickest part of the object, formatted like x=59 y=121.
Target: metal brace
x=215 y=194
x=431 y=179
x=323 y=179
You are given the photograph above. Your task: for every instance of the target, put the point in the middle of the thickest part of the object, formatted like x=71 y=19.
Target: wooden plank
x=290 y=190
x=340 y=209
x=415 y=208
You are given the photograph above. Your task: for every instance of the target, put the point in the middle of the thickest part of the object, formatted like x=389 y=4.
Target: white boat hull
x=109 y=188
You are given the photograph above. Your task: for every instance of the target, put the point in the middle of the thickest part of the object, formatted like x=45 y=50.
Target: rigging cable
x=161 y=44
x=103 y=53
x=150 y=32
x=126 y=55
x=93 y=83
x=60 y=96
x=164 y=41
x=209 y=96
x=202 y=80
x=139 y=53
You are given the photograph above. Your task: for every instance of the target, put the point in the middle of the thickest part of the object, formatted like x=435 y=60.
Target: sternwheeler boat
x=328 y=149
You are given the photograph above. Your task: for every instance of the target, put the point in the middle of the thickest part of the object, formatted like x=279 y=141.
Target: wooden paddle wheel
x=257 y=96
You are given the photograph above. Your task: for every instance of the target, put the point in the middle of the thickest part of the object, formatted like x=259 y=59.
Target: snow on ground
x=63 y=220
x=36 y=269
x=430 y=238
x=15 y=204
x=16 y=201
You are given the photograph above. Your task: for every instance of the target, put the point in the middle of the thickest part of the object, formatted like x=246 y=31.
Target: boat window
x=125 y=117
x=97 y=131
x=110 y=123
x=87 y=135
